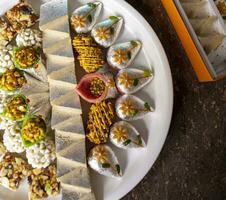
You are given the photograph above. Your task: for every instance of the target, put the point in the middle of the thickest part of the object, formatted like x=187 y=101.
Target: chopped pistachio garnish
x=26 y=57
x=43 y=183
x=12 y=171
x=33 y=130
x=12 y=80
x=16 y=107
x=97 y=87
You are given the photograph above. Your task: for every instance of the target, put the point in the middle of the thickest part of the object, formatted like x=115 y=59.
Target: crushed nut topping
x=26 y=57
x=21 y=16
x=16 y=107
x=12 y=171
x=43 y=183
x=33 y=129
x=12 y=80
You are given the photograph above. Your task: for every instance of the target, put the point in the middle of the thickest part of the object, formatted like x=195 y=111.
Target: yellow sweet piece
x=101 y=117
x=90 y=55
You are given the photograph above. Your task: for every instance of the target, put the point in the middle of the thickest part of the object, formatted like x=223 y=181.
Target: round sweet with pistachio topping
x=26 y=57
x=12 y=80
x=106 y=32
x=121 y=55
x=84 y=17
x=15 y=108
x=33 y=130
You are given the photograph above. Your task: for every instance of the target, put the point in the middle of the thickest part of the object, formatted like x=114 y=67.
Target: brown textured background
x=192 y=164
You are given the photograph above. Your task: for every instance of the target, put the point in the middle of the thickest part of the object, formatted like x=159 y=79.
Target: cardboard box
x=202 y=32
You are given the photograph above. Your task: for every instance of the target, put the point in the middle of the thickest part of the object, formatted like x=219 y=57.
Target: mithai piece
x=90 y=55
x=84 y=17
x=121 y=55
x=29 y=37
x=6 y=32
x=103 y=160
x=129 y=108
x=101 y=117
x=12 y=171
x=12 y=139
x=43 y=183
x=125 y=135
x=72 y=171
x=6 y=58
x=97 y=87
x=131 y=80
x=21 y=16
x=106 y=32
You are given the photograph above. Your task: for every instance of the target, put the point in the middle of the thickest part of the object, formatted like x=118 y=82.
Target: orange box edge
x=187 y=42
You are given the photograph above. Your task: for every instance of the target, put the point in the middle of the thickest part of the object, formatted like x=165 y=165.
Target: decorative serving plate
x=153 y=127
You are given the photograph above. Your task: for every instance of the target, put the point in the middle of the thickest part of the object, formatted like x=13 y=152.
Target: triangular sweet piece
x=79 y=178
x=64 y=141
x=34 y=86
x=75 y=152
x=69 y=193
x=68 y=101
x=59 y=116
x=50 y=39
x=71 y=162
x=60 y=59
x=210 y=43
x=73 y=125
x=58 y=89
x=65 y=168
x=63 y=49
x=75 y=135
x=51 y=12
x=66 y=74
x=37 y=99
x=201 y=25
x=53 y=65
x=60 y=28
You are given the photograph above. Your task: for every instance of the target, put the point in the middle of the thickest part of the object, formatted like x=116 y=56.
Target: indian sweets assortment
x=27 y=149
x=109 y=75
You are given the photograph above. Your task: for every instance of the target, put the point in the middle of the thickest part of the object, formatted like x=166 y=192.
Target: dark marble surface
x=192 y=164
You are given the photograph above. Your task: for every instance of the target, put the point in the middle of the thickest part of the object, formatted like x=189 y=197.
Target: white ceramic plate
x=154 y=127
